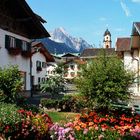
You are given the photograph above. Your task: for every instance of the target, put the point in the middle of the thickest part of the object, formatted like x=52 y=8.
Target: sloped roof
x=77 y=61
x=136 y=28
x=123 y=44
x=94 y=52
x=39 y=47
x=107 y=32
x=69 y=55
x=18 y=11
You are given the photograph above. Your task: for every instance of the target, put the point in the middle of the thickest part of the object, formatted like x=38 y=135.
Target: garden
x=88 y=115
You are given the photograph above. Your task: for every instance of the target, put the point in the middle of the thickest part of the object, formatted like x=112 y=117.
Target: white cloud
x=136 y=1
x=125 y=9
x=102 y=19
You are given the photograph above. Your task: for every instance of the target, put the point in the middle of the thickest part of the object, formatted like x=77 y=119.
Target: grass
x=62 y=117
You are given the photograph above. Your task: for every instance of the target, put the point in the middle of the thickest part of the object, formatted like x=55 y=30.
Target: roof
x=69 y=55
x=136 y=28
x=107 y=32
x=77 y=61
x=123 y=44
x=19 y=12
x=94 y=52
x=39 y=47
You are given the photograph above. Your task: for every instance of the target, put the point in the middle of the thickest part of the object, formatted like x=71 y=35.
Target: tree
x=105 y=81
x=10 y=84
x=56 y=83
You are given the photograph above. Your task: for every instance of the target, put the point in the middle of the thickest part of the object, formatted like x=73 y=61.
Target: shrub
x=22 y=124
x=72 y=103
x=49 y=103
x=9 y=118
x=10 y=84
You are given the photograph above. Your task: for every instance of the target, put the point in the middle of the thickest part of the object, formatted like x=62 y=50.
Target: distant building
x=91 y=53
x=69 y=56
x=40 y=59
x=128 y=49
x=72 y=68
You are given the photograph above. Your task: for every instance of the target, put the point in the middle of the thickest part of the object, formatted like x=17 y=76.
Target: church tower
x=107 y=39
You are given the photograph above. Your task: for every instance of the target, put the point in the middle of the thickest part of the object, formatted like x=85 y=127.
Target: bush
x=49 y=103
x=72 y=103
x=9 y=118
x=20 y=124
x=10 y=84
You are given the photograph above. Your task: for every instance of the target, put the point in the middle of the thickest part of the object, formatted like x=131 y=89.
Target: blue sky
x=89 y=18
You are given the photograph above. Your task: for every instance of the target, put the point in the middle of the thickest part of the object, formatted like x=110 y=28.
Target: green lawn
x=62 y=117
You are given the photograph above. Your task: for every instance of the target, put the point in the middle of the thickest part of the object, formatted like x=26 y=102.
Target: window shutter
x=18 y=43
x=7 y=41
x=29 y=46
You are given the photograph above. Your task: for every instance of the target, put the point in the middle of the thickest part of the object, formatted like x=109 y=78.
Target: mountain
x=60 y=35
x=57 y=47
x=61 y=42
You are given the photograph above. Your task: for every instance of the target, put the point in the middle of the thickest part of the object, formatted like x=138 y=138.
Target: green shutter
x=18 y=43
x=7 y=41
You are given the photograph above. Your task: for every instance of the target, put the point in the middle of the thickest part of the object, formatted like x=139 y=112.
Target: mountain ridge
x=61 y=42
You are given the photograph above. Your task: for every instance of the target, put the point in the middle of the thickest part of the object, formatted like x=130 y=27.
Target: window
x=72 y=74
x=43 y=64
x=39 y=80
x=72 y=67
x=38 y=63
x=43 y=80
x=12 y=42
x=24 y=46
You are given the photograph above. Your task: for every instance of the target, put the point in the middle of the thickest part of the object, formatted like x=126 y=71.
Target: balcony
x=14 y=51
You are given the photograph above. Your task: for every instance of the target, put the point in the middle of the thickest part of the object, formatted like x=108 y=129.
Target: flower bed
x=114 y=125
x=22 y=124
x=93 y=125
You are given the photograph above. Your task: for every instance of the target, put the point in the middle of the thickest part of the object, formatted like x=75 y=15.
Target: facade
x=128 y=49
x=129 y=57
x=40 y=59
x=17 y=28
x=72 y=68
x=51 y=66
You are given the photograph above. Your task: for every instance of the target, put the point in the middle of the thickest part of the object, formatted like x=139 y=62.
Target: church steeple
x=107 y=39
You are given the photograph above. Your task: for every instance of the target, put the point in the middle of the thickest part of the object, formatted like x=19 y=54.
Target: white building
x=130 y=59
x=17 y=27
x=72 y=68
x=40 y=59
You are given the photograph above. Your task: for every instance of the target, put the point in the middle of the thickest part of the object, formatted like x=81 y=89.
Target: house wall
x=75 y=71
x=131 y=62
x=38 y=57
x=51 y=66
x=8 y=59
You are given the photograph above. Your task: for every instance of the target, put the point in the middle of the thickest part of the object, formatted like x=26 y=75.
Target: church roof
x=123 y=44
x=107 y=32
x=94 y=52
